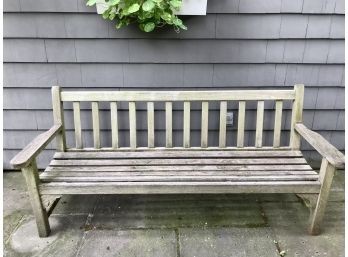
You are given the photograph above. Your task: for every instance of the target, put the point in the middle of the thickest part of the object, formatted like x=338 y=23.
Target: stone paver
x=11 y=222
x=172 y=225
x=289 y=223
x=337 y=189
x=16 y=203
x=66 y=235
x=227 y=242
x=76 y=204
x=144 y=243
x=15 y=195
x=171 y=211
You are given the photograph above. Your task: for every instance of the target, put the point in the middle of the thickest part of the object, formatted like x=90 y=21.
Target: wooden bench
x=178 y=170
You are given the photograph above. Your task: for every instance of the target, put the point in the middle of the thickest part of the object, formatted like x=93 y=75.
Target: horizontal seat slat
x=180 y=187
x=173 y=173
x=175 y=154
x=178 y=148
x=154 y=162
x=179 y=178
x=177 y=170
x=181 y=168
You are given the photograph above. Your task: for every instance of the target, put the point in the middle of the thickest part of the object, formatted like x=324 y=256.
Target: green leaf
x=176 y=3
x=179 y=23
x=133 y=8
x=150 y=26
x=141 y=26
x=113 y=10
x=91 y=2
x=166 y=16
x=163 y=6
x=148 y=5
x=148 y=14
x=113 y=2
x=182 y=26
x=112 y=16
x=119 y=25
x=106 y=14
x=122 y=23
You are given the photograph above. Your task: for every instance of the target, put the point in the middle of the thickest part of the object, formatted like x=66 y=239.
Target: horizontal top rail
x=230 y=95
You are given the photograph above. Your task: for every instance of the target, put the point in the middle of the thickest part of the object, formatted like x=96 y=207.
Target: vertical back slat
x=95 y=121
x=222 y=131
x=169 y=129
x=114 y=124
x=150 y=124
x=77 y=125
x=187 y=124
x=204 y=125
x=297 y=110
x=259 y=123
x=132 y=125
x=58 y=117
x=277 y=123
x=241 y=124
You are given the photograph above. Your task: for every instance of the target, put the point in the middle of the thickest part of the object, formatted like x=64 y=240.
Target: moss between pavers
x=132 y=212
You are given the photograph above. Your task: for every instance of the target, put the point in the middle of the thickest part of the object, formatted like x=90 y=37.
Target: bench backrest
x=168 y=98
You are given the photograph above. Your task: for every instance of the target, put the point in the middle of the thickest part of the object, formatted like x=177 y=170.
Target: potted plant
x=149 y=14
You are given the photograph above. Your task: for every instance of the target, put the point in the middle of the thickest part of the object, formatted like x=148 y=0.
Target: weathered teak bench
x=179 y=170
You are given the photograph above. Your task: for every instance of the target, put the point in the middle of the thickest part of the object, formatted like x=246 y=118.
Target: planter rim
x=189 y=7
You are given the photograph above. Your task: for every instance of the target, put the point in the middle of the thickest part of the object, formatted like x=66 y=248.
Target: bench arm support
x=28 y=154
x=319 y=143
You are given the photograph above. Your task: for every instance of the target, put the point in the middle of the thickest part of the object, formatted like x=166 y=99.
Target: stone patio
x=172 y=225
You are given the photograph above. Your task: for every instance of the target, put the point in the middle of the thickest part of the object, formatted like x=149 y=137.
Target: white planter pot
x=101 y=6
x=193 y=7
x=189 y=7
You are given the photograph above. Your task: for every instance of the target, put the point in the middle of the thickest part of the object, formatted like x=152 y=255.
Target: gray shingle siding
x=173 y=51
x=222 y=26
x=239 y=44
x=214 y=6
x=39 y=75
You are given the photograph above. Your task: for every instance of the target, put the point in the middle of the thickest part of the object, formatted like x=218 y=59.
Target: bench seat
x=180 y=172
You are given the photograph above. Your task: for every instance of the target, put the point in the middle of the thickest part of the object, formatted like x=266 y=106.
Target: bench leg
x=31 y=176
x=326 y=174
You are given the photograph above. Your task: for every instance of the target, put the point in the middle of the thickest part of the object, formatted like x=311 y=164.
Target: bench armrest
x=319 y=143
x=26 y=156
